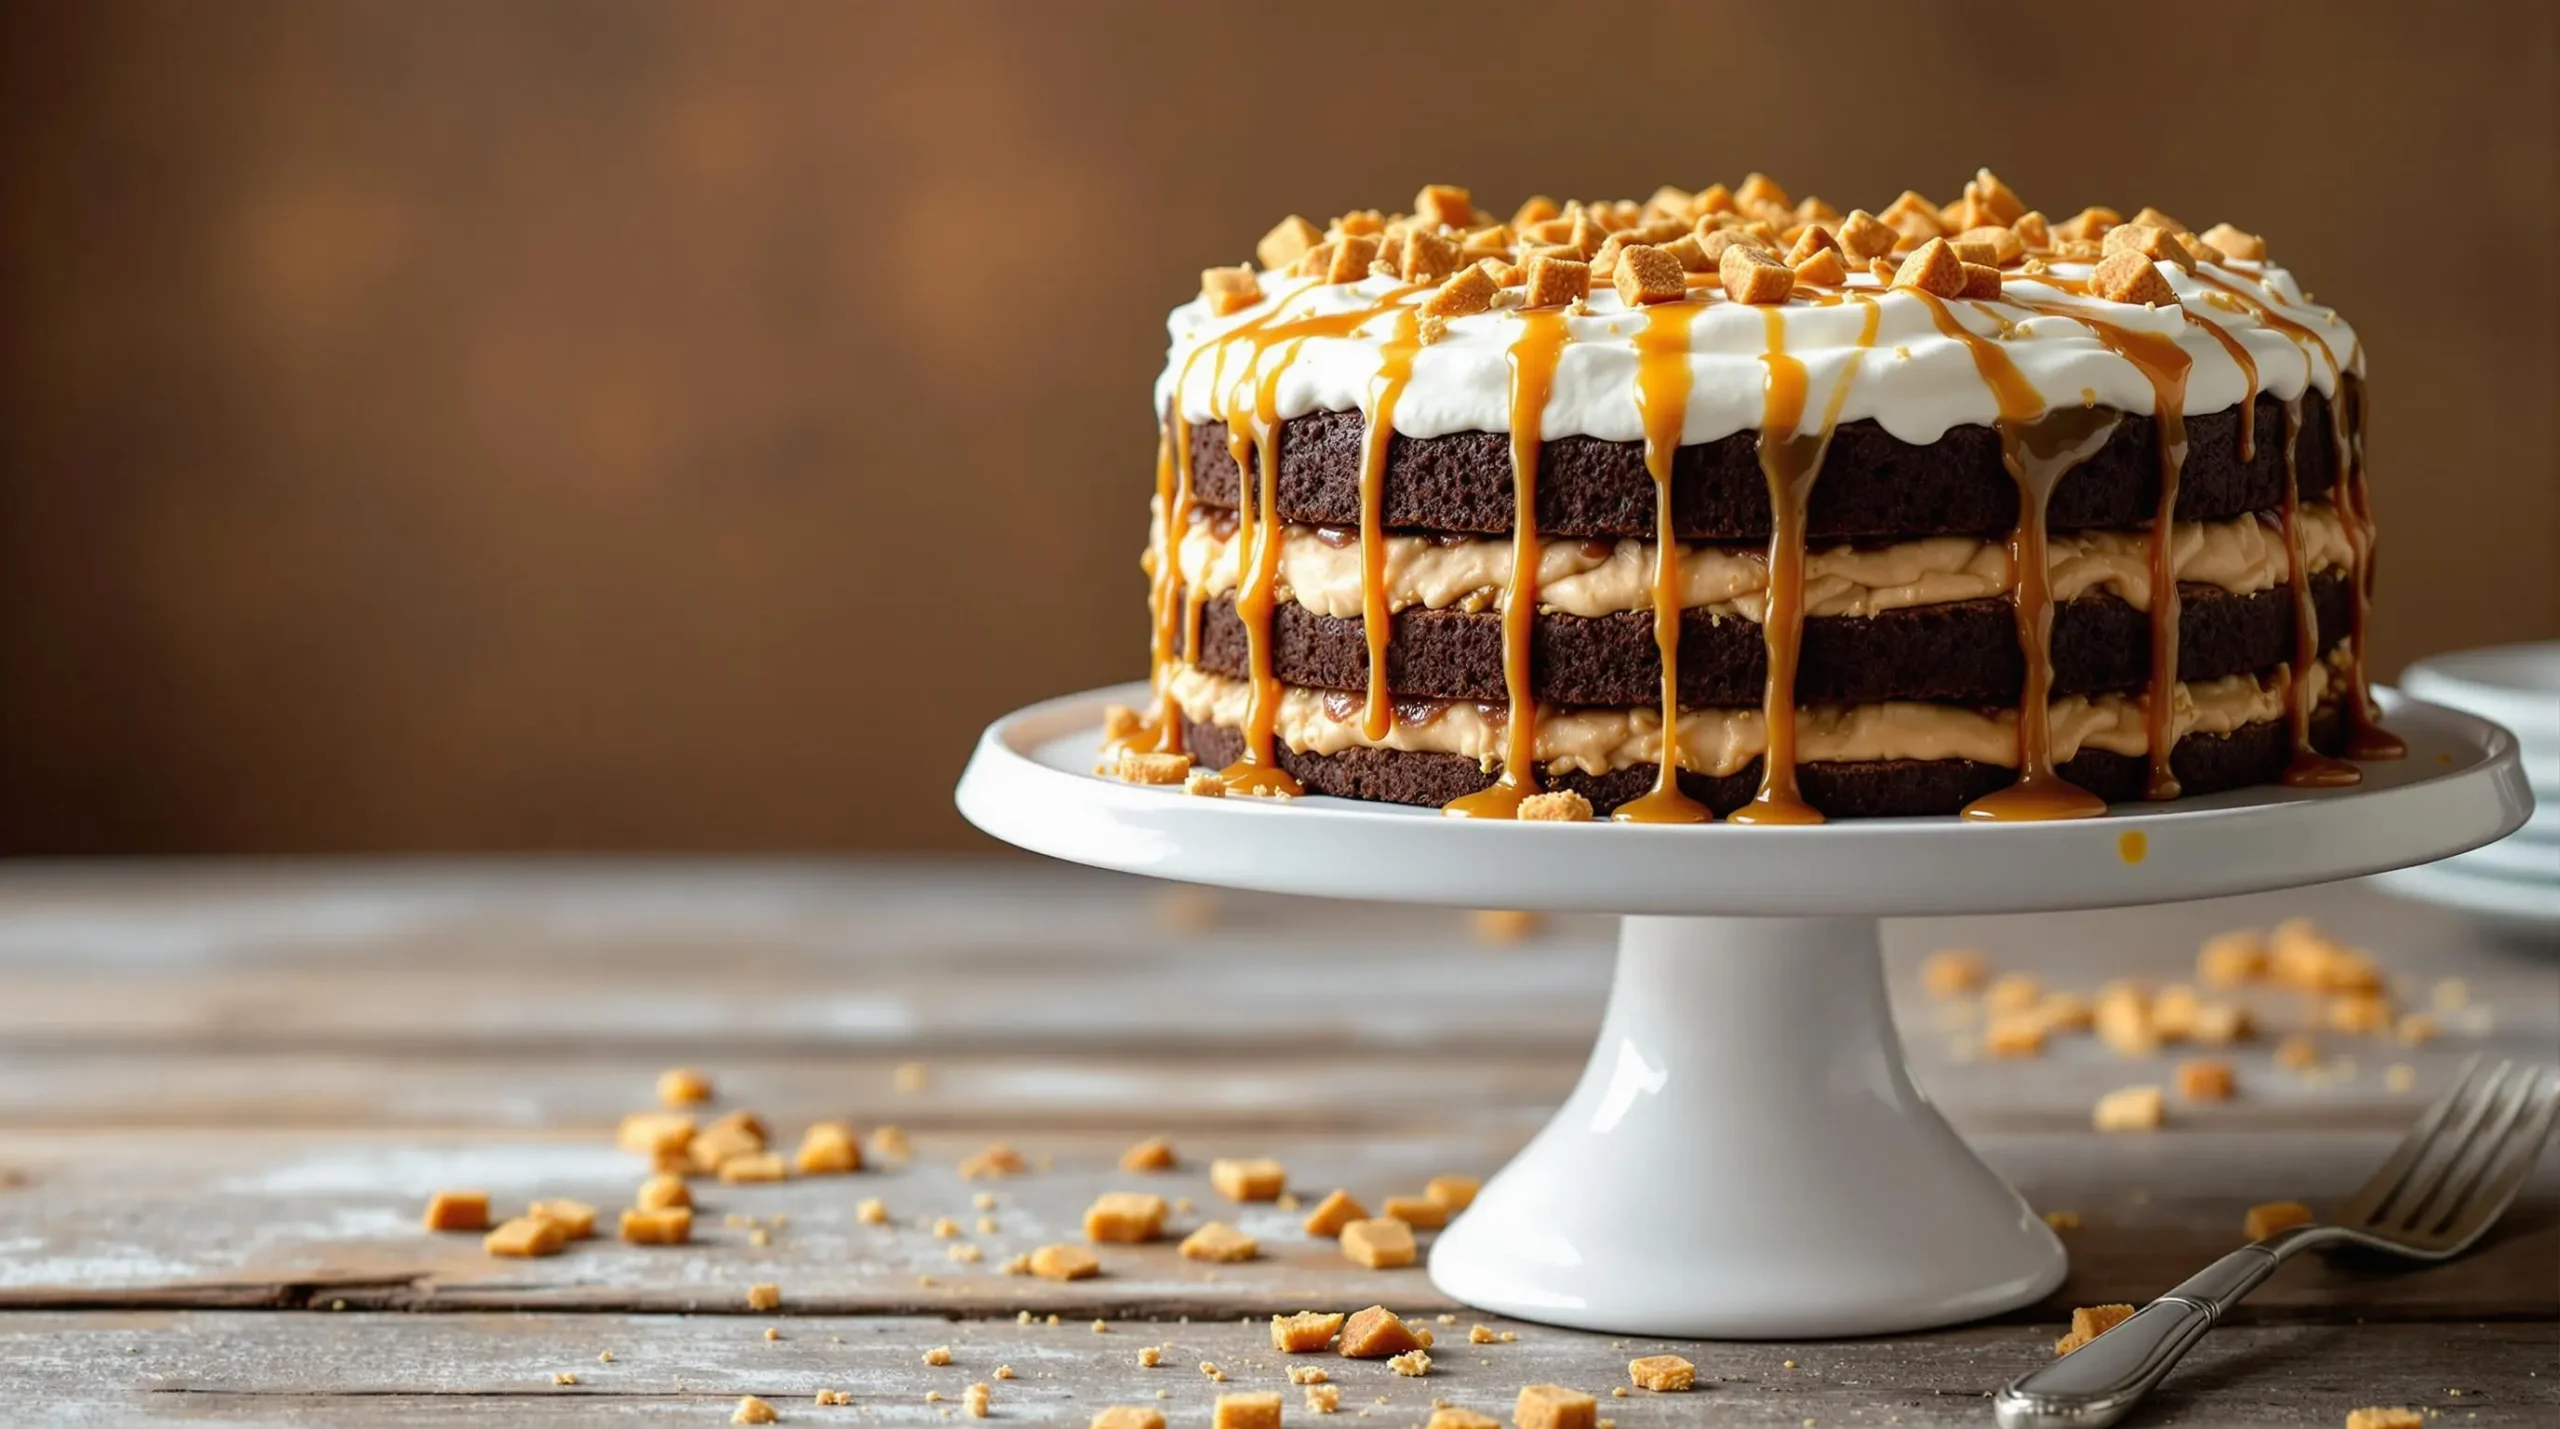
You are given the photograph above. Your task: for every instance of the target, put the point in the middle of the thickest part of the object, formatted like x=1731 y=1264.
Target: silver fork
x=2444 y=1185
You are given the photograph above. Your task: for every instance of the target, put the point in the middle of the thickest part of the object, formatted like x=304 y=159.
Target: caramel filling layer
x=1723 y=741
x=1321 y=570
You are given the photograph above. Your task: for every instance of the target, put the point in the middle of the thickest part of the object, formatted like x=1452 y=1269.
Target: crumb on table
x=1552 y=1406
x=1064 y=1262
x=1380 y=1243
x=1419 y=1212
x=671 y=1225
x=457 y=1211
x=2206 y=1079
x=1249 y=1179
x=828 y=1148
x=683 y=1086
x=1124 y=1217
x=1304 y=1332
x=1256 y=1410
x=2265 y=1220
x=2129 y=1109
x=1953 y=972
x=1218 y=1241
x=1662 y=1373
x=1153 y=1154
x=1334 y=1212
x=2089 y=1322
x=576 y=1219
x=526 y=1235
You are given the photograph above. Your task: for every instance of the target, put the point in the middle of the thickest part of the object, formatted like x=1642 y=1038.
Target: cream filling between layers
x=1724 y=741
x=2243 y=557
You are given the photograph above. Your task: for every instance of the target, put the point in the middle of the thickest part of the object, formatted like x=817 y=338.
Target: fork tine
x=2455 y=1142
x=2476 y=1156
x=2377 y=1192
x=2506 y=1173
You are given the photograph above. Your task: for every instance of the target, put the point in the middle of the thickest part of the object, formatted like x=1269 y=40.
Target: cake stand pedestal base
x=1746 y=1157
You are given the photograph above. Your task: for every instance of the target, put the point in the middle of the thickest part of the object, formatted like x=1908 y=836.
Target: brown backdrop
x=681 y=426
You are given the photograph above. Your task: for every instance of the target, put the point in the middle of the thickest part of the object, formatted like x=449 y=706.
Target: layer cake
x=1947 y=508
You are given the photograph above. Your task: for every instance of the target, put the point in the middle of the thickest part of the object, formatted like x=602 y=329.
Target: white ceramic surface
x=2513 y=884
x=1746 y=1155
x=2531 y=853
x=2516 y=685
x=1746 y=1158
x=2524 y=909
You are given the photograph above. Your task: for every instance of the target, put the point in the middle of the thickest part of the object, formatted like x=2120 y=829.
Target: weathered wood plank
x=507 y=996
x=682 y=958
x=193 y=1218
x=479 y=1368
x=1131 y=1093
x=1249 y=1089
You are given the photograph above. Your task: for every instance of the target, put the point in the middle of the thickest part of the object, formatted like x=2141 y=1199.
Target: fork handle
x=2100 y=1382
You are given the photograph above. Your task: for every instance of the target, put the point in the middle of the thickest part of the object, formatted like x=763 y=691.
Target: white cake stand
x=1746 y=1156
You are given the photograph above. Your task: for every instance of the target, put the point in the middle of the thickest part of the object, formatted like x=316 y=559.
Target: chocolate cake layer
x=1872 y=487
x=1964 y=652
x=2204 y=763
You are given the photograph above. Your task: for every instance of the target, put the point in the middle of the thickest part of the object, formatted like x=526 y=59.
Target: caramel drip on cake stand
x=2308 y=768
x=2366 y=738
x=2039 y=448
x=1533 y=376
x=1663 y=380
x=2165 y=366
x=1395 y=368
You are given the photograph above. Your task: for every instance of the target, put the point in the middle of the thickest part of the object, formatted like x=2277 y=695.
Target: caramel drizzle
x=2038 y=447
x=1174 y=492
x=1173 y=509
x=1663 y=381
x=1533 y=374
x=2366 y=738
x=1258 y=771
x=2165 y=366
x=1790 y=462
x=2248 y=382
x=2308 y=768
x=1253 y=436
x=1194 y=596
x=1395 y=368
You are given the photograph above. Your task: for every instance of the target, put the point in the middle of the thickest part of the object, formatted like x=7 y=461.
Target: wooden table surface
x=226 y=1091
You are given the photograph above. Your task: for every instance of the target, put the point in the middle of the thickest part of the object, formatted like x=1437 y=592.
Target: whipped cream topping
x=1723 y=741
x=1915 y=381
x=2243 y=557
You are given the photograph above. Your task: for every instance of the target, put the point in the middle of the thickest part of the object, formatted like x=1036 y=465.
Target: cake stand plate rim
x=1029 y=783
